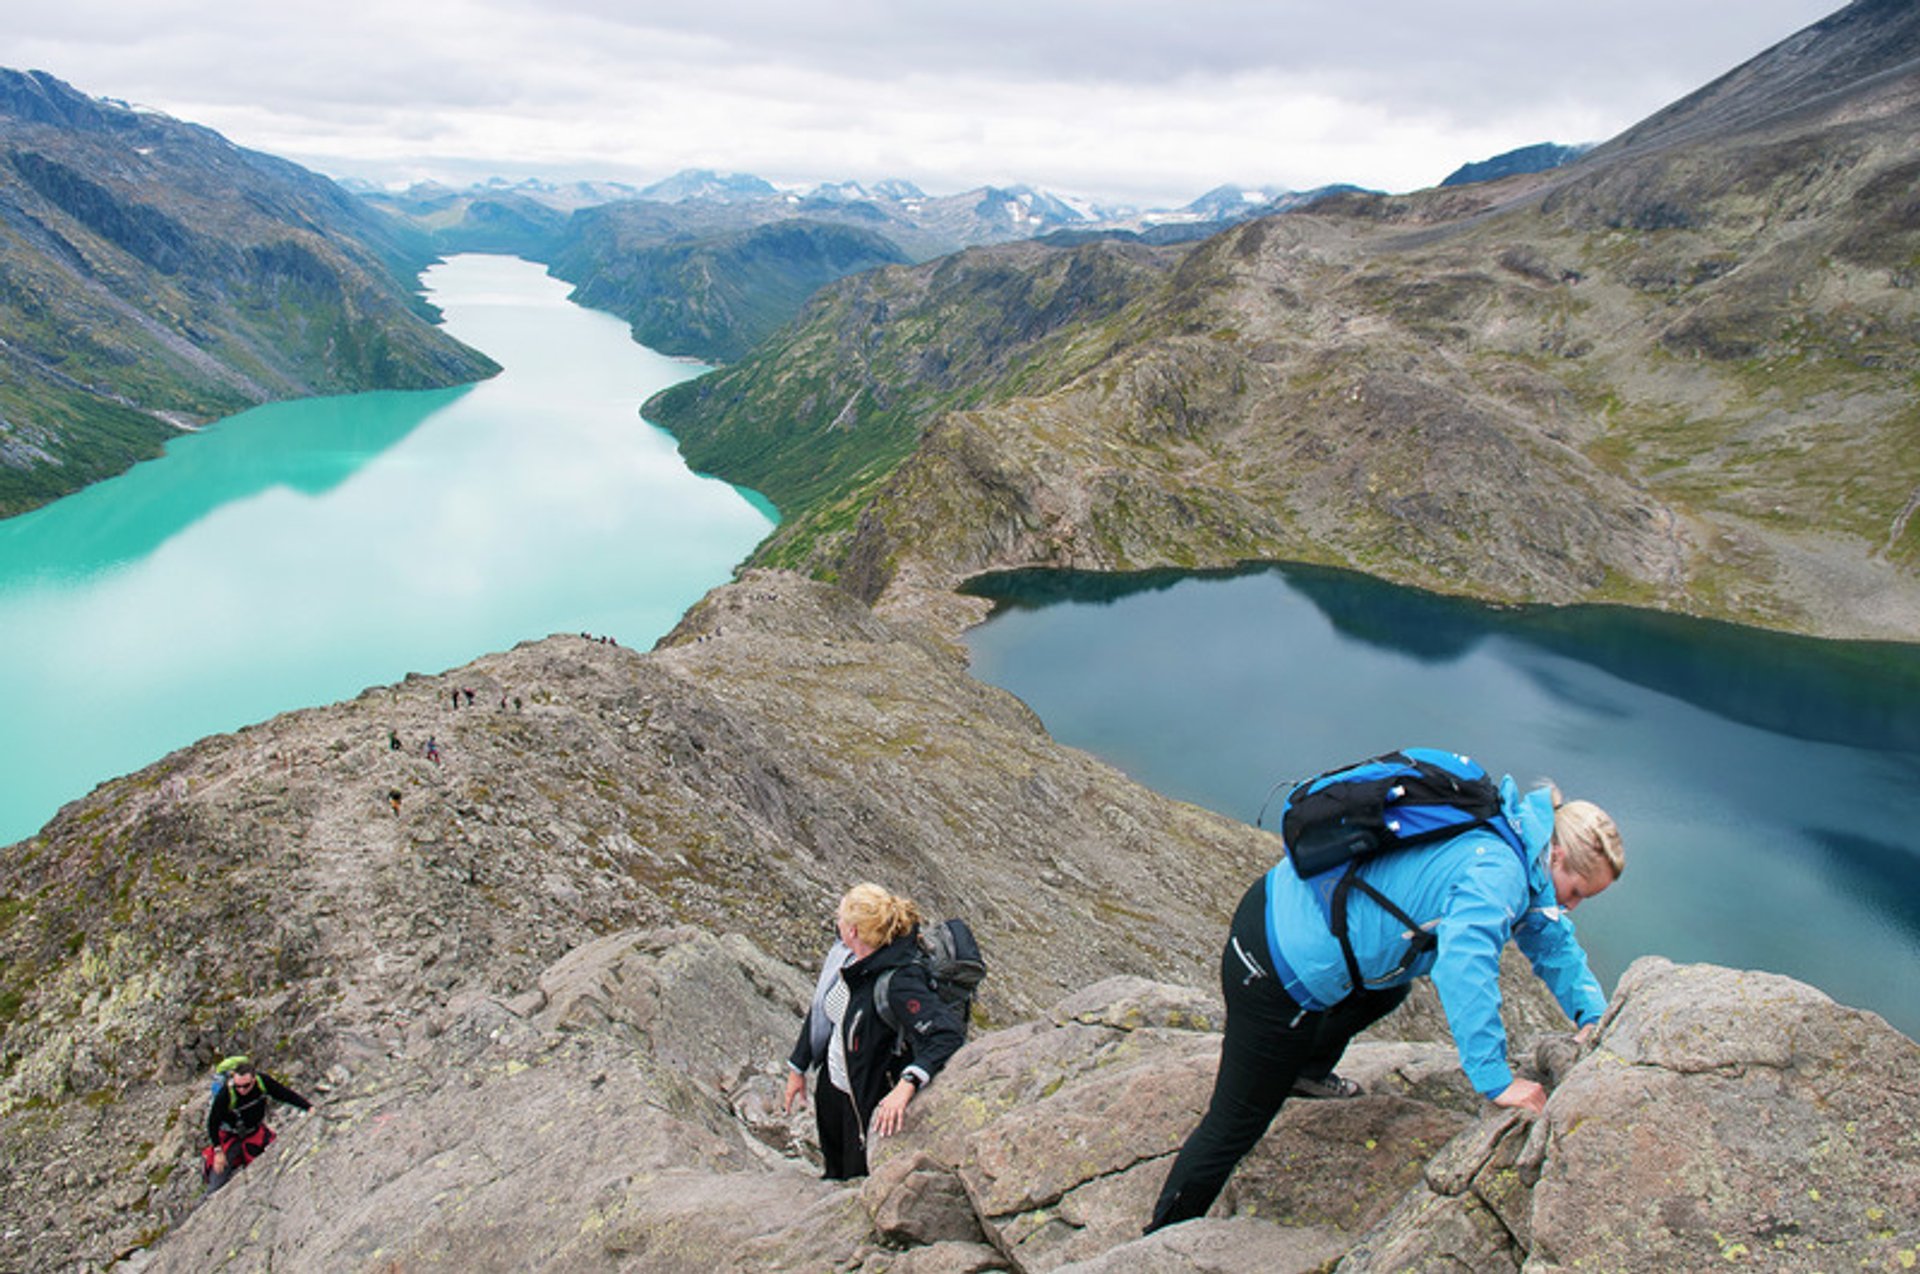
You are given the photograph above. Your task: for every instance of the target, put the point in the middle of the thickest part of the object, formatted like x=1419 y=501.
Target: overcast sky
x=1149 y=102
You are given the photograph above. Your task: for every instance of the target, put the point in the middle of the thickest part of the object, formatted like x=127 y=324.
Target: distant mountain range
x=695 y=264
x=1679 y=371
x=154 y=275
x=703 y=201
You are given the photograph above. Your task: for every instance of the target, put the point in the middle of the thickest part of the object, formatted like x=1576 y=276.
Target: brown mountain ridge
x=1679 y=372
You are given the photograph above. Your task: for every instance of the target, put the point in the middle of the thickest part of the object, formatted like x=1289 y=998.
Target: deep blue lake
x=1768 y=787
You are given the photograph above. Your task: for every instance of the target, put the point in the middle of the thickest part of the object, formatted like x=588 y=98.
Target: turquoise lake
x=300 y=552
x=1767 y=787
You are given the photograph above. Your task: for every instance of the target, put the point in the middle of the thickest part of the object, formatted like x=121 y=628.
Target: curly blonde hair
x=876 y=916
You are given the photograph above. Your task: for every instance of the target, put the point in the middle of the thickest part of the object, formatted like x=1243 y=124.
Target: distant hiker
x=469 y=694
x=1292 y=1003
x=393 y=740
x=237 y=1129
x=868 y=1070
x=516 y=703
x=393 y=798
x=433 y=750
x=456 y=699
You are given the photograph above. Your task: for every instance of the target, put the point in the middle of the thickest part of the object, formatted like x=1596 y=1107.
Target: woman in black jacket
x=871 y=1070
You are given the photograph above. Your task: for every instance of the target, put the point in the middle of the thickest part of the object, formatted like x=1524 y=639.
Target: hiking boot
x=1327 y=1086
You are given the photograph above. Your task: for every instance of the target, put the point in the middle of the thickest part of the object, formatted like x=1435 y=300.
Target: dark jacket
x=241 y=1115
x=930 y=1031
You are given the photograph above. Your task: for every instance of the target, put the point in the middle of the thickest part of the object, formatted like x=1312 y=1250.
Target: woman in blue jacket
x=1292 y=1006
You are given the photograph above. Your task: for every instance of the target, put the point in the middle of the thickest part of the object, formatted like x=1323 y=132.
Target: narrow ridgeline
x=544 y=1007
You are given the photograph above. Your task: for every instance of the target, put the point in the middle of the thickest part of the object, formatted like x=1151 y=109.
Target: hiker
x=1291 y=1005
x=393 y=798
x=433 y=749
x=237 y=1129
x=869 y=1071
x=393 y=740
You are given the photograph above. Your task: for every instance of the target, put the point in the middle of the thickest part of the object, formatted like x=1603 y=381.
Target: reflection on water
x=300 y=552
x=1862 y=693
x=316 y=445
x=1767 y=785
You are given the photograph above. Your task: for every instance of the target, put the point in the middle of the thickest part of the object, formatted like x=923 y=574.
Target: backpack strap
x=1422 y=941
x=883 y=1000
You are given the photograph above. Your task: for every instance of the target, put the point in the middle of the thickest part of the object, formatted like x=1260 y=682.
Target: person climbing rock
x=237 y=1130
x=869 y=1070
x=1297 y=993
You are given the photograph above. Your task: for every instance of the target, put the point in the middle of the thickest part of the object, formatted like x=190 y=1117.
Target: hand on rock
x=1523 y=1094
x=892 y=1111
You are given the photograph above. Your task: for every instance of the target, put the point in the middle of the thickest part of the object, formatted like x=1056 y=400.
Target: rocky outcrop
x=605 y=1117
x=1725 y=1118
x=605 y=1127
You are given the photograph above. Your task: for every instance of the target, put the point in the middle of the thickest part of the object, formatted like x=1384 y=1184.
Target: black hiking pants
x=843 y=1135
x=1269 y=1042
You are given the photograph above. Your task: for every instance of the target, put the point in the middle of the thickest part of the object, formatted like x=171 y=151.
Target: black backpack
x=951 y=957
x=1400 y=800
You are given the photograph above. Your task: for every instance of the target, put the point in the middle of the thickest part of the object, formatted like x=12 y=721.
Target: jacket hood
x=1531 y=813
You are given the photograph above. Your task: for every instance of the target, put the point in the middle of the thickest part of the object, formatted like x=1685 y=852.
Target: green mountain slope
x=1680 y=372
x=153 y=274
x=824 y=411
x=708 y=295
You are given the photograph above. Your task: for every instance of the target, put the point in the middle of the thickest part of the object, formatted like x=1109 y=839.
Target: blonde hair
x=876 y=916
x=1589 y=837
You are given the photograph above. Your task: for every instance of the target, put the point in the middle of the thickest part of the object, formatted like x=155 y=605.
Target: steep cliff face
x=153 y=274
x=1677 y=373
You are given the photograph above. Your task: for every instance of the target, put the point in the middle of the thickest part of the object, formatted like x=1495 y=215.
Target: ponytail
x=877 y=916
x=1589 y=838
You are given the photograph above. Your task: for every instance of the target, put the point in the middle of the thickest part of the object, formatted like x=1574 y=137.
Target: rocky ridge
x=257 y=890
x=544 y=1006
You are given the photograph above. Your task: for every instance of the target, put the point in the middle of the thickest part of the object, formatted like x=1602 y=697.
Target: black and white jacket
x=877 y=1057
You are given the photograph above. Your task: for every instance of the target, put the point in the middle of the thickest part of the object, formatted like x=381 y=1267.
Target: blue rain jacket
x=1473 y=892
